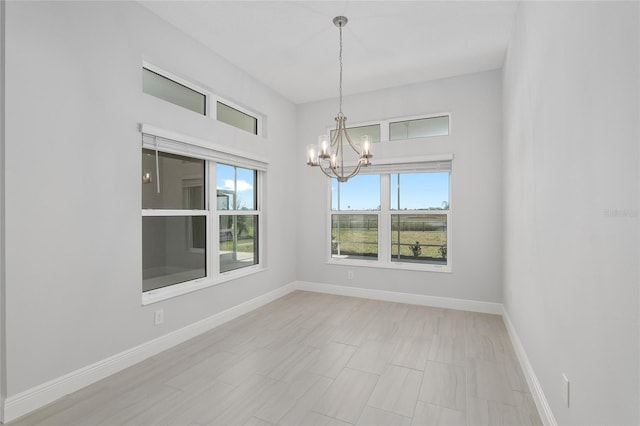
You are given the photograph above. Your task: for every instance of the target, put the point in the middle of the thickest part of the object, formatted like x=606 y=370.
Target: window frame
x=182 y=82
x=385 y=132
x=211 y=100
x=257 y=211
x=190 y=243
x=218 y=100
x=385 y=214
x=174 y=143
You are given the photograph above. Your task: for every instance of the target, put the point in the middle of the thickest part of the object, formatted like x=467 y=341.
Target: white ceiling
x=292 y=46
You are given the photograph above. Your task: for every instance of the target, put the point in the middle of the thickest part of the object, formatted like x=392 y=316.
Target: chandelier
x=339 y=157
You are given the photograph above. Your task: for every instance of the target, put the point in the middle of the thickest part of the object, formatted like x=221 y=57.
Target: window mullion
x=384 y=221
x=384 y=131
x=212 y=225
x=215 y=218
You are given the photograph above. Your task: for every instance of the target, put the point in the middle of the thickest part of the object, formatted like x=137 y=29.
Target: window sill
x=398 y=266
x=158 y=295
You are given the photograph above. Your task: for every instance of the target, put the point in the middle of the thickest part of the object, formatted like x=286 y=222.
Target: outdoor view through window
x=406 y=219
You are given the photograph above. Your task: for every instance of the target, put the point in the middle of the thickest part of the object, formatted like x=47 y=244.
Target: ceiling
x=293 y=46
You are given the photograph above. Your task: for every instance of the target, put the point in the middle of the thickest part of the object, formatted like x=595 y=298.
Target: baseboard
x=449 y=303
x=32 y=399
x=23 y=403
x=542 y=404
x=392 y=296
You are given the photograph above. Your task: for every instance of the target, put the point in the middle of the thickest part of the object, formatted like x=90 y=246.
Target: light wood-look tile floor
x=316 y=359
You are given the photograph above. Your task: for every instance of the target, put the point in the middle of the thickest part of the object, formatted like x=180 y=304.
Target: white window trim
x=384 y=216
x=175 y=143
x=211 y=99
x=384 y=126
x=190 y=225
x=215 y=217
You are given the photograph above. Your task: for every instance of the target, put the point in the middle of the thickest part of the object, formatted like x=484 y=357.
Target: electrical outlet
x=158 y=317
x=349 y=275
x=565 y=390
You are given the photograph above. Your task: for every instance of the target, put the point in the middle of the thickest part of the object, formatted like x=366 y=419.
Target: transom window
x=393 y=219
x=178 y=91
x=419 y=128
x=162 y=87
x=424 y=126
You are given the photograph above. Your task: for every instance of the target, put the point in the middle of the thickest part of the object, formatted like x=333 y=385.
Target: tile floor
x=316 y=359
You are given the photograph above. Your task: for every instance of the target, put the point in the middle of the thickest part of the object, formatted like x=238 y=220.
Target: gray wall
x=475 y=104
x=73 y=197
x=2 y=221
x=571 y=203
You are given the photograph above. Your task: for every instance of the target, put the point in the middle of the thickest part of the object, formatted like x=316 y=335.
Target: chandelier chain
x=340 y=57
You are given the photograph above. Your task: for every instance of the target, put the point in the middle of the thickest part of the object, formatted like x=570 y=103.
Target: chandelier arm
x=341 y=175
x=338 y=129
x=341 y=156
x=341 y=129
x=332 y=172
x=351 y=144
x=325 y=172
x=353 y=172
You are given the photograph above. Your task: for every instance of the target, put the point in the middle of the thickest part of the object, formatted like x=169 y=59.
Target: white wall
x=73 y=198
x=2 y=222
x=475 y=104
x=571 y=203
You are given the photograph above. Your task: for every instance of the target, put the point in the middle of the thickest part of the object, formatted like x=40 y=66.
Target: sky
x=416 y=191
x=361 y=192
x=242 y=180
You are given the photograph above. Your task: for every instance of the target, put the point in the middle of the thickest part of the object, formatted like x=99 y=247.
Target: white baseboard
x=535 y=388
x=392 y=296
x=23 y=403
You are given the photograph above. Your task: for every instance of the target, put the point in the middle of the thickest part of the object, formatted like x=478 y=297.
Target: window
x=419 y=238
x=237 y=217
x=398 y=217
x=353 y=235
x=164 y=85
x=400 y=129
x=192 y=234
x=174 y=92
x=172 y=222
x=357 y=132
x=236 y=118
x=419 y=128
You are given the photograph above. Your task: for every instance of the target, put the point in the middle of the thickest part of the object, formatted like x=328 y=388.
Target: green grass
x=244 y=245
x=365 y=242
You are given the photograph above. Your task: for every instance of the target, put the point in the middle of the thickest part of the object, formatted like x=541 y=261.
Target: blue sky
x=243 y=183
x=417 y=191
